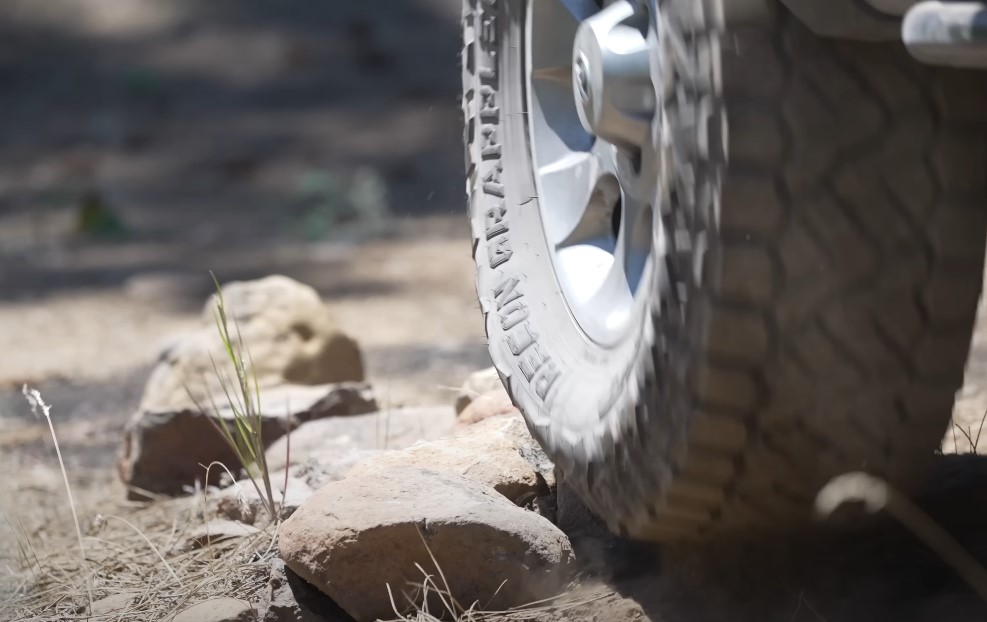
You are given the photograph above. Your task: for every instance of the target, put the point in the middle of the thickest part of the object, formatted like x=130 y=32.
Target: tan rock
x=163 y=451
x=496 y=403
x=329 y=466
x=477 y=384
x=218 y=610
x=328 y=438
x=498 y=453
x=288 y=331
x=357 y=536
x=218 y=530
x=114 y=606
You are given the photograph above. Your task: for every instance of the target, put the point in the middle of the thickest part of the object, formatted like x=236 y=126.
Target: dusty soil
x=215 y=139
x=202 y=129
x=147 y=143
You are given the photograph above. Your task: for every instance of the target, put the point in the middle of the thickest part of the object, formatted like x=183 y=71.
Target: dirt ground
x=216 y=139
x=146 y=143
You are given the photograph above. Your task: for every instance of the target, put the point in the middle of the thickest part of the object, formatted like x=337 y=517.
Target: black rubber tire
x=814 y=312
x=847 y=19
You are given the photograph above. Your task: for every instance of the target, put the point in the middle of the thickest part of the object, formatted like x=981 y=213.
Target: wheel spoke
x=560 y=75
x=591 y=99
x=606 y=156
x=551 y=46
x=635 y=238
x=613 y=299
x=581 y=198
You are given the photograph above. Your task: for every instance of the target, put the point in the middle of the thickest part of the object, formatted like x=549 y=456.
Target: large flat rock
x=357 y=536
x=497 y=452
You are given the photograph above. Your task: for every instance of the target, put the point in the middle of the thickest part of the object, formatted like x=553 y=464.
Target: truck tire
x=850 y=19
x=799 y=298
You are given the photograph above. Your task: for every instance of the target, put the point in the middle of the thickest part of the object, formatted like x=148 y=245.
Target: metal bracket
x=947 y=33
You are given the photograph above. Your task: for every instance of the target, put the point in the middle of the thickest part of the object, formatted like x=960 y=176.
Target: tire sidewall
x=572 y=391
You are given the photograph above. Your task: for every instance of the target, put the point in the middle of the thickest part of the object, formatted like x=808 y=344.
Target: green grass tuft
x=244 y=434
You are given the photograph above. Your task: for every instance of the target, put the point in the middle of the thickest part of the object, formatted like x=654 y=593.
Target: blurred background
x=145 y=143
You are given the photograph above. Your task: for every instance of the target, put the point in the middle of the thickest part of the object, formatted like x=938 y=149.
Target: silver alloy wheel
x=594 y=125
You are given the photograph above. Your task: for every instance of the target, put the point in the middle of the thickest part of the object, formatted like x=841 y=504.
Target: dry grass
x=245 y=434
x=423 y=596
x=432 y=600
x=142 y=551
x=428 y=591
x=967 y=433
x=61 y=551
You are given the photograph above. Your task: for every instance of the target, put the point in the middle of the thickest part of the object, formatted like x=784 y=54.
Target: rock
x=218 y=530
x=242 y=502
x=291 y=599
x=114 y=606
x=357 y=536
x=493 y=404
x=388 y=429
x=218 y=610
x=498 y=452
x=479 y=383
x=330 y=466
x=288 y=331
x=163 y=450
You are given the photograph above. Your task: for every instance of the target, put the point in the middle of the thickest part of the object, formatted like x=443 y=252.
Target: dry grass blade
x=394 y=605
x=34 y=398
x=150 y=544
x=976 y=442
x=968 y=436
x=438 y=568
x=23 y=546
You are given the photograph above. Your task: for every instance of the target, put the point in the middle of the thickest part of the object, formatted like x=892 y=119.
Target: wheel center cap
x=581 y=76
x=611 y=75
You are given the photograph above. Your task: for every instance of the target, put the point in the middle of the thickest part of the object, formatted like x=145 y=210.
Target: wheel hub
x=612 y=75
x=593 y=118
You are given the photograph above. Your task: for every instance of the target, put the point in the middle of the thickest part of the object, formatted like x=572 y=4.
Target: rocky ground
x=441 y=509
x=147 y=143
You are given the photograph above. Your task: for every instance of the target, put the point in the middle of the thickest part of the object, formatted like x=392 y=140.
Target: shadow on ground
x=192 y=133
x=882 y=573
